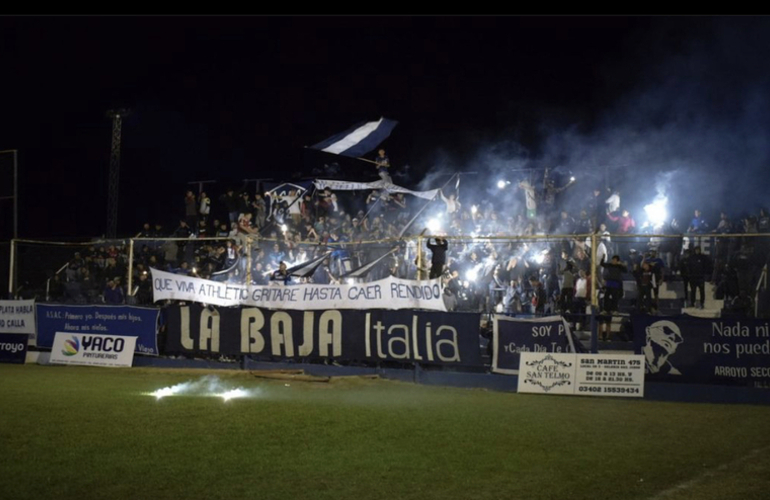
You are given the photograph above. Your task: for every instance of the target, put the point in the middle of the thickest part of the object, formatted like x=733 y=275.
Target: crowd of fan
x=535 y=276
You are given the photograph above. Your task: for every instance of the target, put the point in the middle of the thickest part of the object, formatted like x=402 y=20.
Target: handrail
x=48 y=281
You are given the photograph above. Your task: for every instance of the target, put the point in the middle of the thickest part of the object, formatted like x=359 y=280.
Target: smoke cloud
x=690 y=125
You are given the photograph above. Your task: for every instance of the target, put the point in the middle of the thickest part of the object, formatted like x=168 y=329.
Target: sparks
x=234 y=393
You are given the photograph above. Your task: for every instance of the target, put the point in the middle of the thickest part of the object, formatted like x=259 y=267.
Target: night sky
x=682 y=101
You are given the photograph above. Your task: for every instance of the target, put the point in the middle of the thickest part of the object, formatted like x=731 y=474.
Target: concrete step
x=702 y=313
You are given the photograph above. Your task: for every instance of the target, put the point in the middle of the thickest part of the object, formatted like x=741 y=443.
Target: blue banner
x=13 y=348
x=734 y=351
x=512 y=336
x=345 y=335
x=140 y=322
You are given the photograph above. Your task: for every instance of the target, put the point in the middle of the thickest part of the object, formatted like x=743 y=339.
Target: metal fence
x=521 y=275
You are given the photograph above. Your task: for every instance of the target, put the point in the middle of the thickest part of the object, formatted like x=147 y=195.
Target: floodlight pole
x=114 y=182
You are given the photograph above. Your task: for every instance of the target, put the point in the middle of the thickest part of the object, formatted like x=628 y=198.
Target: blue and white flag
x=359 y=140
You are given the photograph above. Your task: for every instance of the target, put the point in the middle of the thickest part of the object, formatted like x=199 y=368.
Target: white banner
x=389 y=293
x=387 y=186
x=17 y=316
x=610 y=375
x=582 y=374
x=93 y=350
x=546 y=373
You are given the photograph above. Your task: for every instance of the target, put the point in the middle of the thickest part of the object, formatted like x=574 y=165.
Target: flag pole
x=401 y=234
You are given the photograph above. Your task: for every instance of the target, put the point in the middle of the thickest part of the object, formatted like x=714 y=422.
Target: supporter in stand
x=595 y=207
x=190 y=209
x=327 y=217
x=260 y=211
x=567 y=288
x=204 y=207
x=763 y=222
x=243 y=204
x=644 y=280
x=382 y=162
x=281 y=274
x=438 y=258
x=613 y=292
x=202 y=231
x=230 y=201
x=657 y=267
x=698 y=224
x=698 y=269
x=113 y=294
x=222 y=231
x=146 y=232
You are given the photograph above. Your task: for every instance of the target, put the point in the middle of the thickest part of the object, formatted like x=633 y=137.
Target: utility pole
x=117 y=116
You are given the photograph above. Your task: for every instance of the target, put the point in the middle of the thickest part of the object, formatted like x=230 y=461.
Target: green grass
x=77 y=432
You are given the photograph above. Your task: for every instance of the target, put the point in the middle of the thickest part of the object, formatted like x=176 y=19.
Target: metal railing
x=48 y=258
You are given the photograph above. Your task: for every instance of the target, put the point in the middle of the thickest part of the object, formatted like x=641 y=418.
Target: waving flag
x=364 y=270
x=306 y=269
x=359 y=140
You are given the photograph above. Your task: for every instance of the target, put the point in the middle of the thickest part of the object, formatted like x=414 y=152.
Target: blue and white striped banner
x=358 y=140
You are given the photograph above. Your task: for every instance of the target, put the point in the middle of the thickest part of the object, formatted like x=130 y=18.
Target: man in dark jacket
x=698 y=267
x=230 y=200
x=613 y=291
x=438 y=259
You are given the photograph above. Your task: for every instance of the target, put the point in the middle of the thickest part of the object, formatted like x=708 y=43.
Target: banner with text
x=403 y=336
x=708 y=350
x=139 y=322
x=619 y=375
x=512 y=336
x=381 y=184
x=93 y=350
x=13 y=348
x=389 y=293
x=17 y=316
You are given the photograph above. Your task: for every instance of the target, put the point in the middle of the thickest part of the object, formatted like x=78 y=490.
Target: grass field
x=76 y=432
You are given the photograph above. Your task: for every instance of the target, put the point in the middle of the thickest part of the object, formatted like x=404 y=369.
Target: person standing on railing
x=382 y=163
x=530 y=198
x=438 y=258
